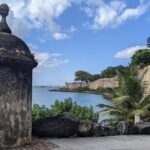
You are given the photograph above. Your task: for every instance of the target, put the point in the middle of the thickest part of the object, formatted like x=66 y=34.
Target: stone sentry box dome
x=16 y=64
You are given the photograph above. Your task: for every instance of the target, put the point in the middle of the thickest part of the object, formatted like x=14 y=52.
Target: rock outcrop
x=63 y=126
x=57 y=126
x=141 y=128
x=85 y=129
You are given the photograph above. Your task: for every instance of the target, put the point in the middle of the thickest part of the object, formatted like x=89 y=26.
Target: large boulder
x=85 y=129
x=57 y=126
x=109 y=131
x=97 y=130
x=140 y=128
x=122 y=127
x=143 y=128
x=132 y=130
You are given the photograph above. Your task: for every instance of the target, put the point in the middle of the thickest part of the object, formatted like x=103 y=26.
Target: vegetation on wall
x=65 y=107
x=141 y=58
x=148 y=42
x=109 y=72
x=82 y=76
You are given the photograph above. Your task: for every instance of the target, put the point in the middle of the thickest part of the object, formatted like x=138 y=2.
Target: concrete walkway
x=103 y=143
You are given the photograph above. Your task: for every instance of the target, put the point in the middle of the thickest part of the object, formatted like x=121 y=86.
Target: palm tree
x=132 y=100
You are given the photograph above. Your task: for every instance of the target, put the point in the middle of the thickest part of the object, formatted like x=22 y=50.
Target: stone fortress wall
x=112 y=82
x=75 y=85
x=100 y=83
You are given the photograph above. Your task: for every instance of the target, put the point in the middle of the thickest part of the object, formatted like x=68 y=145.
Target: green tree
x=131 y=101
x=82 y=76
x=148 y=42
x=65 y=107
x=141 y=58
x=94 y=77
x=111 y=71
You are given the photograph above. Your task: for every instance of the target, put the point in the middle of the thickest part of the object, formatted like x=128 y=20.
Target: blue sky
x=70 y=35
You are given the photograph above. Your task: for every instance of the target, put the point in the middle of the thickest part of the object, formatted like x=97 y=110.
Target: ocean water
x=42 y=96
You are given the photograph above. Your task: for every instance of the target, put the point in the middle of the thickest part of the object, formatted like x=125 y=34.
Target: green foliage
x=115 y=92
x=95 y=77
x=141 y=58
x=64 y=89
x=82 y=76
x=66 y=107
x=111 y=72
x=40 y=112
x=148 y=42
x=82 y=89
x=104 y=90
x=131 y=100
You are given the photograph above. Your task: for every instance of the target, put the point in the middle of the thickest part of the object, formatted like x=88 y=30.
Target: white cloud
x=132 y=13
x=114 y=13
x=41 y=58
x=128 y=52
x=89 y=11
x=48 y=60
x=73 y=29
x=26 y=15
x=60 y=36
x=55 y=54
x=56 y=62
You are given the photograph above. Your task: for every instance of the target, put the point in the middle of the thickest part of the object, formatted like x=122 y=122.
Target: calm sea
x=42 y=96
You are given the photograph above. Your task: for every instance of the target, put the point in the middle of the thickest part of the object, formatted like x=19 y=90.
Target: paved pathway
x=93 y=143
x=103 y=143
x=37 y=144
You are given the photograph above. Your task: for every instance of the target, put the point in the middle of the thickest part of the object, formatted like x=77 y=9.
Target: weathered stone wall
x=15 y=106
x=104 y=83
x=75 y=85
x=100 y=83
x=144 y=74
x=113 y=82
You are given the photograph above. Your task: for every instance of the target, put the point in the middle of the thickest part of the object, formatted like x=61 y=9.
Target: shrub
x=141 y=58
x=82 y=89
x=66 y=107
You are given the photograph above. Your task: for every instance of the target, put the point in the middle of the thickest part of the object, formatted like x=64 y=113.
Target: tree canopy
x=82 y=76
x=112 y=71
x=65 y=107
x=141 y=58
x=148 y=42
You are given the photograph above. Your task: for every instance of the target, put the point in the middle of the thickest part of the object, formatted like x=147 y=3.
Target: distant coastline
x=105 y=95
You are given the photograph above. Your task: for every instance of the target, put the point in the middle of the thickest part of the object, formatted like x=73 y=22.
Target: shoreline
x=104 y=95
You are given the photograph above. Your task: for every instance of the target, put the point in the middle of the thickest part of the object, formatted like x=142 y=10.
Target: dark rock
x=146 y=130
x=132 y=130
x=107 y=96
x=143 y=128
x=122 y=127
x=140 y=128
x=85 y=129
x=97 y=130
x=109 y=131
x=57 y=126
